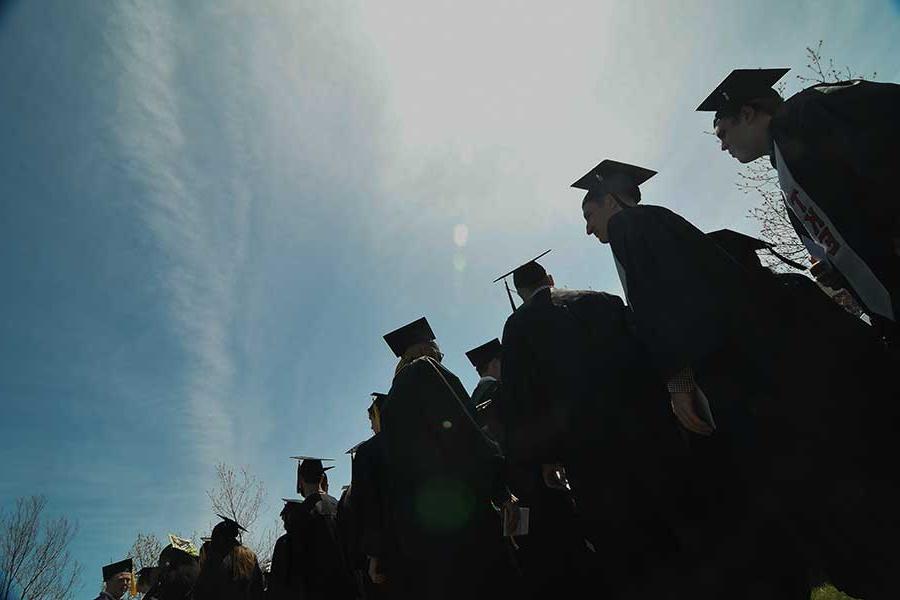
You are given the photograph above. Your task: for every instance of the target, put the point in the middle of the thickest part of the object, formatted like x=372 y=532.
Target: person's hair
x=767 y=104
x=242 y=562
x=415 y=351
x=527 y=291
x=597 y=198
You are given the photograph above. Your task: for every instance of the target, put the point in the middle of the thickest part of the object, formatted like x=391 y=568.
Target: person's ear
x=748 y=113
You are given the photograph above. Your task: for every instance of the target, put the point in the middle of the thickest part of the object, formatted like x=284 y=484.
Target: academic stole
x=830 y=244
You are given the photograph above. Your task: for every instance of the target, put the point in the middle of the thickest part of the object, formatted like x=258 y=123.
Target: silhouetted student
x=486 y=359
x=364 y=516
x=698 y=311
x=178 y=570
x=836 y=147
x=286 y=577
x=317 y=558
x=228 y=569
x=578 y=392
x=442 y=474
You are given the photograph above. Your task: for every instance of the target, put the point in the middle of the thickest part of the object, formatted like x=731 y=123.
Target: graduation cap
x=352 y=451
x=484 y=353
x=290 y=503
x=400 y=340
x=113 y=569
x=525 y=275
x=612 y=176
x=227 y=528
x=310 y=468
x=743 y=248
x=742 y=86
x=182 y=544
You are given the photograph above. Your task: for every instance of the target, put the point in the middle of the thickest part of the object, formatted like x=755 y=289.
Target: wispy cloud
x=202 y=235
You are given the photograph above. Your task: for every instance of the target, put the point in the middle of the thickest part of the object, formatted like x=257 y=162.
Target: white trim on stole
x=828 y=239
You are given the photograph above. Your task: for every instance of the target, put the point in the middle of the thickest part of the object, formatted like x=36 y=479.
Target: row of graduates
x=307 y=561
x=775 y=473
x=222 y=568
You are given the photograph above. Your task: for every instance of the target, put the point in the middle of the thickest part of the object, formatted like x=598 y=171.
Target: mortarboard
x=182 y=544
x=612 y=176
x=310 y=468
x=228 y=527
x=741 y=86
x=743 y=248
x=352 y=451
x=484 y=353
x=400 y=340
x=123 y=566
x=290 y=503
x=525 y=275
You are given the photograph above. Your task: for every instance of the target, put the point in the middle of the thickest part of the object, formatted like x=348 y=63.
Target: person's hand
x=510 y=514
x=554 y=477
x=683 y=407
x=375 y=573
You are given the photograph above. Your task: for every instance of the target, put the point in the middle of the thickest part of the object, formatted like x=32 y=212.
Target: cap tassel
x=509 y=293
x=132 y=588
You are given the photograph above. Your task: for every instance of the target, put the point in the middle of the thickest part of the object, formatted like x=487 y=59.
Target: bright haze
x=211 y=212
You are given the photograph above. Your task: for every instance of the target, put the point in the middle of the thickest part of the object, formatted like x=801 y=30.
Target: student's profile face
x=596 y=217
x=737 y=136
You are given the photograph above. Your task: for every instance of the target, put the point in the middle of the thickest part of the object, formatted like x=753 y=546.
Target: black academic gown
x=371 y=532
x=553 y=558
x=442 y=474
x=176 y=581
x=695 y=307
x=486 y=400
x=324 y=571
x=840 y=145
x=579 y=393
x=285 y=581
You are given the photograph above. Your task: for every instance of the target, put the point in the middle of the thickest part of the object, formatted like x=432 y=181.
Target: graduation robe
x=580 y=393
x=696 y=307
x=324 y=571
x=486 y=399
x=442 y=473
x=837 y=149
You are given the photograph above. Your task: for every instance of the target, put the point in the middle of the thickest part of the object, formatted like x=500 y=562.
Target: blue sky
x=211 y=212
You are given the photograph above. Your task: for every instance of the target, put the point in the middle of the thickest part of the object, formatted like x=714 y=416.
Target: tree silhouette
x=35 y=563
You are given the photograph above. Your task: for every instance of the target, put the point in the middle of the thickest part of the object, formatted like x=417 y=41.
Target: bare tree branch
x=239 y=496
x=35 y=563
x=145 y=551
